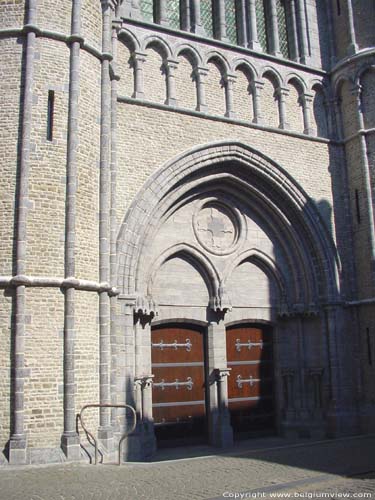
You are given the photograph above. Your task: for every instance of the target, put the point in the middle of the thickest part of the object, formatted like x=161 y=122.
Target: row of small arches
x=239 y=93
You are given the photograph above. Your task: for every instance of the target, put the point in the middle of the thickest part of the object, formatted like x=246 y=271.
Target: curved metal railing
x=124 y=436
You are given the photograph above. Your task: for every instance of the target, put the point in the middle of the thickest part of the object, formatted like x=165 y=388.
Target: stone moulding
x=53 y=282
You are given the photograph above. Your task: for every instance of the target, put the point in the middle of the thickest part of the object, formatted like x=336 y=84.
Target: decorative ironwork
x=240 y=381
x=248 y=344
x=283 y=32
x=174 y=345
x=163 y=384
x=147 y=10
x=207 y=16
x=173 y=10
x=231 y=21
x=261 y=25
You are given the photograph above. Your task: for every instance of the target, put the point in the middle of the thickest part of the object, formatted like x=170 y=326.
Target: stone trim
x=53 y=282
x=186 y=35
x=203 y=115
x=53 y=35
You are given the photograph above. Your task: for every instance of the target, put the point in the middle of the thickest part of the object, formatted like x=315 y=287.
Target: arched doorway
x=228 y=238
x=179 y=393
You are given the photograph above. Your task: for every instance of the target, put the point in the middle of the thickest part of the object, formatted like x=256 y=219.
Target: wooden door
x=250 y=384
x=179 y=407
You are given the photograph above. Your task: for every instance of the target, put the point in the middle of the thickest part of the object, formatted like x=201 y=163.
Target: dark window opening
x=357 y=207
x=369 y=353
x=50 y=113
x=338 y=7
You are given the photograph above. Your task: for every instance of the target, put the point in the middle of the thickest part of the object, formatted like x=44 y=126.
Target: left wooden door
x=179 y=395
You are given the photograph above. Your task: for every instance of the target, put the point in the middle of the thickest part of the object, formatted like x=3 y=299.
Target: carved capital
x=145 y=306
x=221 y=373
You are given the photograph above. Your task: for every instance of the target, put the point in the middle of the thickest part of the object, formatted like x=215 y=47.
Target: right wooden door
x=250 y=384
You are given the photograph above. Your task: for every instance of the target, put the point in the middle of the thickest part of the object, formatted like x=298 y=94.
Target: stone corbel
x=146 y=306
x=221 y=301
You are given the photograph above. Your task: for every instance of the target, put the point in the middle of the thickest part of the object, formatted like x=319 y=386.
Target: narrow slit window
x=50 y=113
x=369 y=352
x=338 y=7
x=357 y=207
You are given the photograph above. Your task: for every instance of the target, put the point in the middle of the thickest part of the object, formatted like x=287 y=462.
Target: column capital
x=307 y=98
x=139 y=56
x=230 y=77
x=144 y=380
x=201 y=71
x=171 y=64
x=257 y=85
x=282 y=92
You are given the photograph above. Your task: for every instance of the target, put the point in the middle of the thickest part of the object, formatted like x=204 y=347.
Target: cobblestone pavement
x=298 y=469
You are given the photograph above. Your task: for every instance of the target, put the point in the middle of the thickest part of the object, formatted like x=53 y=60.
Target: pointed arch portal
x=222 y=237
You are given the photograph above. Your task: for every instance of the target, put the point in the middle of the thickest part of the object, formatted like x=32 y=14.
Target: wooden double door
x=180 y=382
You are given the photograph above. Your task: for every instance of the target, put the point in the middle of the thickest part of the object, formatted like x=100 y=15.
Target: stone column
x=220 y=25
x=70 y=439
x=171 y=67
x=130 y=8
x=200 y=75
x=105 y=432
x=142 y=444
x=229 y=82
x=306 y=101
x=161 y=13
x=18 y=442
x=196 y=25
x=257 y=87
x=281 y=94
x=315 y=375
x=116 y=26
x=353 y=46
x=242 y=23
x=224 y=430
x=304 y=43
x=294 y=46
x=289 y=423
x=366 y=174
x=139 y=58
x=220 y=431
x=253 y=42
x=186 y=23
x=273 y=32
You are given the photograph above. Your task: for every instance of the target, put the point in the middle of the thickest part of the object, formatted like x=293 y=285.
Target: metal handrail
x=126 y=434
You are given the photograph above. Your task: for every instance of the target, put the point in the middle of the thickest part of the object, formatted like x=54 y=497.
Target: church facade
x=186 y=223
